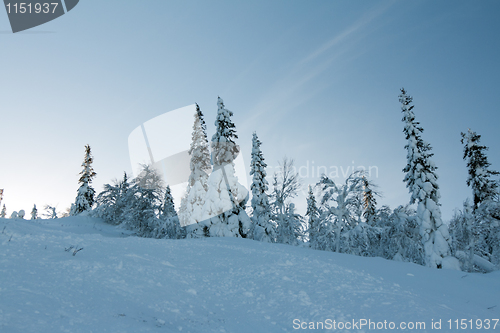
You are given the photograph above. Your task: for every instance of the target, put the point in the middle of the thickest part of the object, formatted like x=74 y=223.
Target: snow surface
x=122 y=283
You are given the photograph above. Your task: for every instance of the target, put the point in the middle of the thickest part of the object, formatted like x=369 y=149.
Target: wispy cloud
x=360 y=24
x=288 y=91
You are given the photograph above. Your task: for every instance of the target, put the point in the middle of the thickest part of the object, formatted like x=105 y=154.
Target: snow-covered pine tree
x=291 y=229
x=106 y=204
x=313 y=220
x=143 y=201
x=338 y=203
x=113 y=200
x=123 y=198
x=85 y=197
x=169 y=226
x=150 y=178
x=362 y=236
x=262 y=228
x=223 y=210
x=421 y=181
x=34 y=213
x=141 y=212
x=369 y=201
x=402 y=240
x=464 y=235
x=286 y=184
x=190 y=211
x=4 y=212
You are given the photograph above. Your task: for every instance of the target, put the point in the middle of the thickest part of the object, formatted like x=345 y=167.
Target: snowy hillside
x=121 y=283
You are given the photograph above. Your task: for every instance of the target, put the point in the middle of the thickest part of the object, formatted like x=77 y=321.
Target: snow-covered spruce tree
x=4 y=212
x=169 y=225
x=224 y=214
x=421 y=181
x=484 y=188
x=85 y=197
x=369 y=201
x=190 y=211
x=34 y=213
x=313 y=220
x=262 y=228
x=485 y=217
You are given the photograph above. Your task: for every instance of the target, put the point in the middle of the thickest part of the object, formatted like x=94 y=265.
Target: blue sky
x=318 y=81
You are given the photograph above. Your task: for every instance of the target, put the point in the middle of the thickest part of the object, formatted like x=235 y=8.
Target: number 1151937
x=28 y=8
x=471 y=324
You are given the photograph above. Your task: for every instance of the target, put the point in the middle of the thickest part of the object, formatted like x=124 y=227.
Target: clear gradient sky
x=318 y=80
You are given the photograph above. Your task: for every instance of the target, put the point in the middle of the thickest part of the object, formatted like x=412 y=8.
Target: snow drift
x=122 y=283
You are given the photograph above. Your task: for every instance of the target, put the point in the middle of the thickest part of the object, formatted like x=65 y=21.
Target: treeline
x=341 y=217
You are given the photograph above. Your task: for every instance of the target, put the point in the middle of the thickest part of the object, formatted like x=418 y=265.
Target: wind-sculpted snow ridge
x=117 y=283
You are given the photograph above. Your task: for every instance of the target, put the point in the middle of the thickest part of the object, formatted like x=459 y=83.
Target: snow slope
x=121 y=283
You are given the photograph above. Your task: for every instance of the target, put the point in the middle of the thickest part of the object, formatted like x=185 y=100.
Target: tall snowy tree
x=190 y=211
x=85 y=197
x=421 y=181
x=262 y=228
x=4 y=212
x=34 y=213
x=223 y=210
